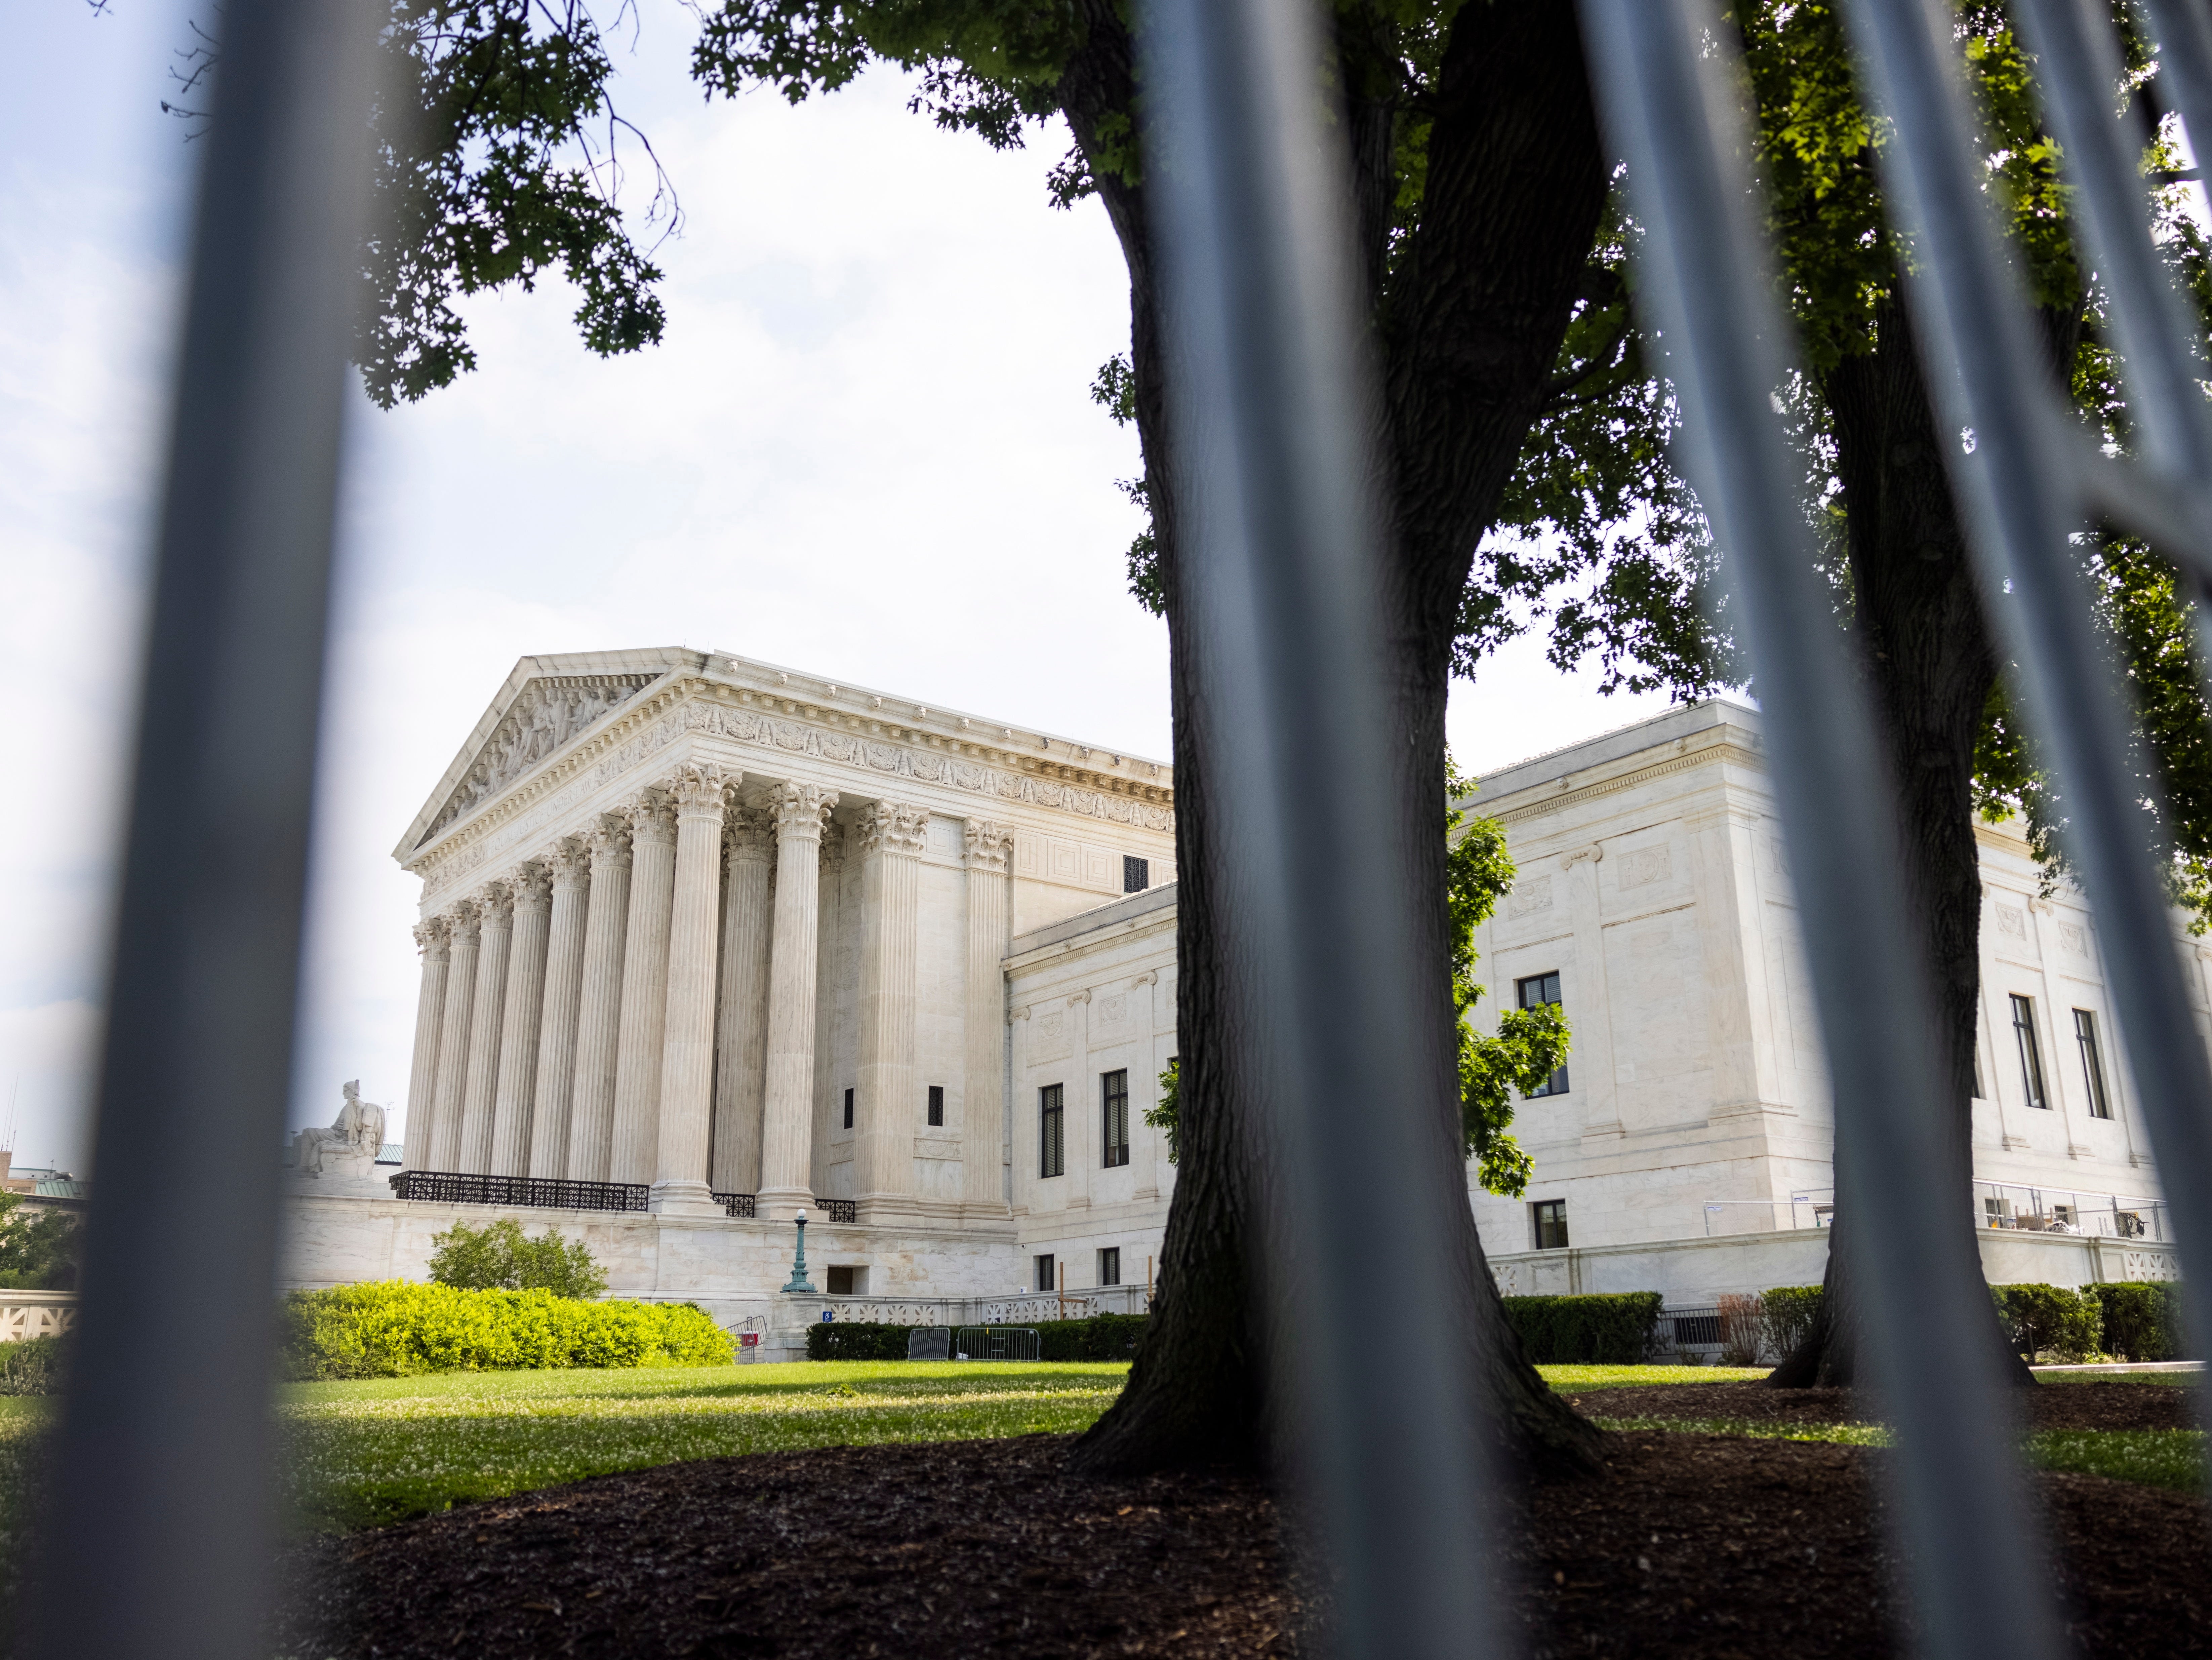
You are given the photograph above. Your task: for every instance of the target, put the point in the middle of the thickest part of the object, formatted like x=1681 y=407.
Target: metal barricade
x=996 y=1343
x=929 y=1343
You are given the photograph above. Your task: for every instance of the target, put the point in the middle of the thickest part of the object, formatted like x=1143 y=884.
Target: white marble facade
x=679 y=908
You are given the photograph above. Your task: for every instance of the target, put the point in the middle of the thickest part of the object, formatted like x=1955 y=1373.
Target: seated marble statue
x=349 y=1145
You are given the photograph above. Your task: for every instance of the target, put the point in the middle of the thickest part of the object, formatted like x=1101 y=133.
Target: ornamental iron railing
x=455 y=1188
x=735 y=1204
x=1277 y=603
x=838 y=1210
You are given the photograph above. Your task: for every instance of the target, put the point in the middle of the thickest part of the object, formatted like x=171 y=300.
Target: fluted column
x=518 y=1028
x=571 y=865
x=441 y=1136
x=787 y=1141
x=982 y=1106
x=434 y=940
x=485 y=1021
x=829 y=914
x=891 y=834
x=645 y=990
x=687 y=1044
x=599 y=1017
x=741 y=1034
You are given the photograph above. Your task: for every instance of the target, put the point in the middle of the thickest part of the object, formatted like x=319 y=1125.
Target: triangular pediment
x=547 y=704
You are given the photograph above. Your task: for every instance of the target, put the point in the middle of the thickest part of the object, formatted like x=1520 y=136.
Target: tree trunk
x=1470 y=325
x=1931 y=662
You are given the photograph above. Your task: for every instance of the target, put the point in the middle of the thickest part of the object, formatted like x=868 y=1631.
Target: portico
x=709 y=927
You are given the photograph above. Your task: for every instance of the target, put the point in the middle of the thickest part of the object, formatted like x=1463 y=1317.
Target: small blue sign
x=827 y=1315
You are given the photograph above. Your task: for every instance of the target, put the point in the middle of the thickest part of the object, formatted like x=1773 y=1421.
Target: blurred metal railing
x=161 y=1480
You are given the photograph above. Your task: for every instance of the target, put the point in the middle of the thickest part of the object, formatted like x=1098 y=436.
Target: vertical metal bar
x=2078 y=66
x=156 y=1540
x=1988 y=374
x=1705 y=285
x=2184 y=29
x=1273 y=429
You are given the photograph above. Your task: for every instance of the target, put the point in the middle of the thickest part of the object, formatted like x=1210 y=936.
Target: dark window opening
x=1052 y=1149
x=841 y=1280
x=1550 y=1216
x=1533 y=992
x=1044 y=1273
x=2093 y=1064
x=848 y=1109
x=1110 y=1266
x=2031 y=1056
x=1136 y=874
x=937 y=1106
x=1114 y=1117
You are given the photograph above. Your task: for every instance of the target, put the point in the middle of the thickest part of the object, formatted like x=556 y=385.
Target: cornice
x=782 y=724
x=1724 y=750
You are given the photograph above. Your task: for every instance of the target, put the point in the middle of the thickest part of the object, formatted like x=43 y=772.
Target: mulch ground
x=2098 y=1405
x=1693 y=1545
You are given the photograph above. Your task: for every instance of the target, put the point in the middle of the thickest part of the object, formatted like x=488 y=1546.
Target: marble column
x=441 y=1136
x=1583 y=989
x=486 y=1020
x=644 y=991
x=598 y=1016
x=571 y=865
x=518 y=1030
x=687 y=1044
x=828 y=1093
x=741 y=1040
x=787 y=1141
x=983 y=1090
x=434 y=938
x=891 y=834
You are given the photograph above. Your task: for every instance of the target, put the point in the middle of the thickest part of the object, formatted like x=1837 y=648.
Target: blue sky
x=865 y=447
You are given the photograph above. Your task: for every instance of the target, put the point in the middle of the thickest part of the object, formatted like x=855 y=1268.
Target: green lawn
x=381 y=1450
x=1570 y=1380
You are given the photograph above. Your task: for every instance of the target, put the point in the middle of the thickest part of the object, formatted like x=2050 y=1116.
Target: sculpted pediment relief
x=545 y=715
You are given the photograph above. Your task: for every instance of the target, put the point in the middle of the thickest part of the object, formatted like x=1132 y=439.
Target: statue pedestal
x=345 y=1174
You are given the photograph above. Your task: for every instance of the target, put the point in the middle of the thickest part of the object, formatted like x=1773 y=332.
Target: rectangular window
x=1052 y=1148
x=1044 y=1268
x=841 y=1278
x=1136 y=874
x=2031 y=1057
x=1114 y=1118
x=1550 y=1216
x=937 y=1106
x=1110 y=1266
x=848 y=1109
x=2093 y=1064
x=1533 y=992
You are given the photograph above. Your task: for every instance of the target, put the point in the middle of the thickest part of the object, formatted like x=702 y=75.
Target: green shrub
x=498 y=1257
x=856 y=1339
x=1612 y=1329
x=2043 y=1319
x=37 y=1366
x=1102 y=1337
x=2141 y=1321
x=1786 y=1314
x=396 y=1329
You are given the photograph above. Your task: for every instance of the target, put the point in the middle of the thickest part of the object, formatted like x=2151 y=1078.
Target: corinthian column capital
x=699 y=787
x=497 y=901
x=570 y=862
x=532 y=887
x=801 y=811
x=434 y=937
x=893 y=827
x=609 y=843
x=652 y=819
x=751 y=836
x=989 y=847
x=463 y=918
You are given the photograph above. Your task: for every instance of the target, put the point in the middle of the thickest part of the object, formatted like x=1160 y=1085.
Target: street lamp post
x=798 y=1284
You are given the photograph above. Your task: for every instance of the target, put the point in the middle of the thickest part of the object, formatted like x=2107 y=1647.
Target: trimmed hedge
x=396 y=1328
x=2142 y=1320
x=1786 y=1316
x=2041 y=1319
x=1102 y=1337
x=1613 y=1329
x=855 y=1340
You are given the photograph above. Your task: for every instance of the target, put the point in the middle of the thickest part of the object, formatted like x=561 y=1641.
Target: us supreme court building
x=707 y=944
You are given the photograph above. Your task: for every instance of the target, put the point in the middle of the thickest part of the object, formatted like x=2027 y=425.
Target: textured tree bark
x=1931 y=663
x=1468 y=324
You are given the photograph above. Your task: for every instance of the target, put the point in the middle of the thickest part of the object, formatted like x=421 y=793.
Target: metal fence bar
x=1987 y=374
x=157 y=1542
x=1975 y=1579
x=1271 y=418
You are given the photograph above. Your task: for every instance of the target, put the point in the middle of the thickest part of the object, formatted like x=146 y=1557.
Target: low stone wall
x=35 y=1314
x=1693 y=1272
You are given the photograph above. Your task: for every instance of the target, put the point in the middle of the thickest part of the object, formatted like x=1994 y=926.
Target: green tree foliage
x=38 y=1246
x=1529 y=1044
x=1167 y=1113
x=498 y=1257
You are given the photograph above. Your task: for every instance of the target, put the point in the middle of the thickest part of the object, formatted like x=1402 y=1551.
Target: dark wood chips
x=2103 y=1405
x=1695 y=1544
